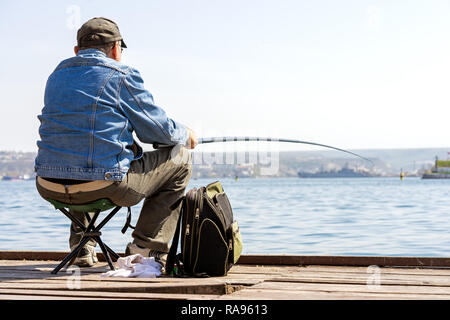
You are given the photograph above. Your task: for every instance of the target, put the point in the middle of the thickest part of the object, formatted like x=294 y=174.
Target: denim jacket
x=92 y=105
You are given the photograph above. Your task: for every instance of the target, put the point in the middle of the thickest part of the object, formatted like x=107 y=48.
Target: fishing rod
x=232 y=139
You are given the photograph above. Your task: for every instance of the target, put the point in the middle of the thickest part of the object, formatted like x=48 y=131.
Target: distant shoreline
x=388 y=163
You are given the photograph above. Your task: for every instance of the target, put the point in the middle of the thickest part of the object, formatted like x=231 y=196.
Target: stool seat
x=91 y=231
x=101 y=204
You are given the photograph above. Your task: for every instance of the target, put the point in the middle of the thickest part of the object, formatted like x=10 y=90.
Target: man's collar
x=91 y=51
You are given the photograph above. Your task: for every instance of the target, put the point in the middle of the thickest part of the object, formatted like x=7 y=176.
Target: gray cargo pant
x=160 y=177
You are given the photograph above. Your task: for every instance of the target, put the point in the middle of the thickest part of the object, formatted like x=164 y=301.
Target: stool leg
x=101 y=224
x=105 y=253
x=72 y=218
x=111 y=252
x=71 y=255
x=91 y=226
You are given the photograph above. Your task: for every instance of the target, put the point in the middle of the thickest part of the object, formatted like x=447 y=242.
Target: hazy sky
x=354 y=74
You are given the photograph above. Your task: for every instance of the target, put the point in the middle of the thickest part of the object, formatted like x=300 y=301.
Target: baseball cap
x=98 y=31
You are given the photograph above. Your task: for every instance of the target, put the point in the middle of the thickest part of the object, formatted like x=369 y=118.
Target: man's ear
x=116 y=52
x=76 y=49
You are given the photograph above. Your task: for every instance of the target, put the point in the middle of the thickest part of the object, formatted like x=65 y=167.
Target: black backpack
x=210 y=239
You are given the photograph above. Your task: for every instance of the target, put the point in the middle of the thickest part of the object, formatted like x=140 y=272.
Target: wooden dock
x=26 y=275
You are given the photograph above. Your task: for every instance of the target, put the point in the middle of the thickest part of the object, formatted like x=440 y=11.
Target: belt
x=81 y=187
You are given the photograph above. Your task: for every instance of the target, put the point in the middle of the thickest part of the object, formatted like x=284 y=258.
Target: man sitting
x=93 y=103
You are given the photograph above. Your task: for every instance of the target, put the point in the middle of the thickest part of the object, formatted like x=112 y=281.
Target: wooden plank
x=52 y=294
x=45 y=270
x=421 y=280
x=363 y=288
x=32 y=255
x=187 y=288
x=262 y=273
x=42 y=255
x=235 y=279
x=190 y=286
x=8 y=276
x=247 y=278
x=392 y=270
x=44 y=297
x=270 y=259
x=344 y=260
x=47 y=266
x=267 y=294
x=257 y=269
x=362 y=281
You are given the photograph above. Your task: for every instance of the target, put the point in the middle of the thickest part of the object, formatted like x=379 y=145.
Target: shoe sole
x=83 y=263
x=86 y=261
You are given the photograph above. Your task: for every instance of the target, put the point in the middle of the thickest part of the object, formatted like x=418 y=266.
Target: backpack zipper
x=186 y=234
x=197 y=214
x=195 y=223
x=193 y=226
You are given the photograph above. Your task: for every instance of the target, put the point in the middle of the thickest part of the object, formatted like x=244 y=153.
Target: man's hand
x=192 y=141
x=134 y=148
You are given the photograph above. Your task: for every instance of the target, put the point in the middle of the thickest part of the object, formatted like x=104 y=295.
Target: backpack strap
x=172 y=255
x=128 y=222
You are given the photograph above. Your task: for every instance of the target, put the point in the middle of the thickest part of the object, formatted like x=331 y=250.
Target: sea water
x=348 y=216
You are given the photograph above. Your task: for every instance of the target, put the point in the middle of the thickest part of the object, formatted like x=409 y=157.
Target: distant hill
x=387 y=162
x=394 y=159
x=16 y=164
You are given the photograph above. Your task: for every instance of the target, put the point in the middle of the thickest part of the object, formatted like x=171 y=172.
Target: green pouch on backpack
x=237 y=241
